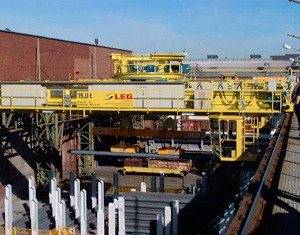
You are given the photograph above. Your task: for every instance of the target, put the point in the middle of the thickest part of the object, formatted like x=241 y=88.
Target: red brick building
x=20 y=55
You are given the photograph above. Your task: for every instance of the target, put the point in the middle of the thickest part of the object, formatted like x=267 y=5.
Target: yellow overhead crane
x=237 y=108
x=148 y=67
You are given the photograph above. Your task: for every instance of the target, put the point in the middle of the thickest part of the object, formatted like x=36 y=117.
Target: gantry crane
x=237 y=109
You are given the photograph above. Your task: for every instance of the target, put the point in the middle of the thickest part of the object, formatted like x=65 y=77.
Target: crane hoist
x=154 y=84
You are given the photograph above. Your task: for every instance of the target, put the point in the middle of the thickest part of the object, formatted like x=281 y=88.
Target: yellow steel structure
x=235 y=138
x=150 y=170
x=251 y=97
x=154 y=66
x=171 y=151
x=154 y=84
x=123 y=149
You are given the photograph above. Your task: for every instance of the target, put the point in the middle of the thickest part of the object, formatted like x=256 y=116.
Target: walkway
x=283 y=216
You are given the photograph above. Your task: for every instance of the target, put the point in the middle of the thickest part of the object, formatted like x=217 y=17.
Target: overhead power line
x=293 y=36
x=294 y=1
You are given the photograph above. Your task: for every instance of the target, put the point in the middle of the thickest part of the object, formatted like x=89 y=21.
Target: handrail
x=262 y=183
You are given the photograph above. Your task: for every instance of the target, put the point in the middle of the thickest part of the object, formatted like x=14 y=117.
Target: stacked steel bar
x=197 y=213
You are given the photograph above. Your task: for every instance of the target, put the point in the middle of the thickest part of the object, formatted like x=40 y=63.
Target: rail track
x=251 y=209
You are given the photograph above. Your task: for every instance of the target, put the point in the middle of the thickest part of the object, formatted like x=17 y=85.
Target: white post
x=32 y=193
x=116 y=203
x=32 y=197
x=30 y=185
x=94 y=202
x=143 y=187
x=72 y=197
x=8 y=210
x=72 y=182
x=100 y=222
x=57 y=200
x=101 y=194
x=94 y=191
x=168 y=217
x=34 y=216
x=8 y=222
x=111 y=219
x=8 y=193
x=175 y=214
x=52 y=194
x=159 y=224
x=121 y=216
x=83 y=211
x=77 y=198
x=62 y=214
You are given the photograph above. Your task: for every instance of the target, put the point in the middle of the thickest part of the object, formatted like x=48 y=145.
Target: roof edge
x=62 y=40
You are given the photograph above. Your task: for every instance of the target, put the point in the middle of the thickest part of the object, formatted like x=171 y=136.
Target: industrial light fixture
x=288 y=47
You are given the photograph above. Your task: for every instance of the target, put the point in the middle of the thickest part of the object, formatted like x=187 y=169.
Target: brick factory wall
x=18 y=58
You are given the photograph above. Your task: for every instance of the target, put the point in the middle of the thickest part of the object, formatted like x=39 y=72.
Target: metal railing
x=213 y=97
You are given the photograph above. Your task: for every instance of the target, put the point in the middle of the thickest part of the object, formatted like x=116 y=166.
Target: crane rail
x=250 y=212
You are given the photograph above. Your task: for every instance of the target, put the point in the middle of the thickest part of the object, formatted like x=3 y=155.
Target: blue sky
x=229 y=28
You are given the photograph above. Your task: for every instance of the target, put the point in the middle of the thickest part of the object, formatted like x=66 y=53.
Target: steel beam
x=8 y=210
x=168 y=220
x=111 y=219
x=121 y=216
x=153 y=184
x=77 y=198
x=94 y=191
x=72 y=179
x=34 y=216
x=101 y=195
x=62 y=214
x=175 y=215
x=83 y=212
x=162 y=182
x=116 y=184
x=56 y=205
x=52 y=195
x=160 y=224
x=100 y=222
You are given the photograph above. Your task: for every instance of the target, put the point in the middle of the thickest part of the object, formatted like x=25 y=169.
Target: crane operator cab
x=234 y=138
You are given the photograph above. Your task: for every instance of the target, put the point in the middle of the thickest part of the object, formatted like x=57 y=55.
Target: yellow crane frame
x=154 y=84
x=148 y=67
